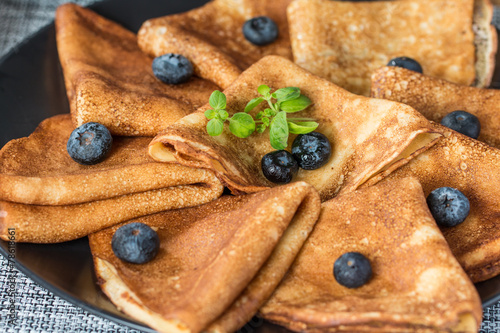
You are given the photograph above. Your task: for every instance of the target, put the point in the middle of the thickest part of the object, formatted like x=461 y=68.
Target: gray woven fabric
x=20 y=19
x=37 y=309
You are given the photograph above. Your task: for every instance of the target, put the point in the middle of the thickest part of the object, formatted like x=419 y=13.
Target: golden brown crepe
x=367 y=135
x=345 y=41
x=211 y=37
x=217 y=263
x=48 y=197
x=473 y=168
x=417 y=285
x=38 y=169
x=109 y=80
x=435 y=98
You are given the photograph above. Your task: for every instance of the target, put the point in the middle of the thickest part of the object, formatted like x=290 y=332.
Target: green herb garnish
x=242 y=124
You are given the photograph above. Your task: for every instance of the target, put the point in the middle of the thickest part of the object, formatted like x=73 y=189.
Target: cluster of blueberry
x=309 y=151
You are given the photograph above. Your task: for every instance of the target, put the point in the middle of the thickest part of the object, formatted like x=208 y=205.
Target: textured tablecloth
x=37 y=309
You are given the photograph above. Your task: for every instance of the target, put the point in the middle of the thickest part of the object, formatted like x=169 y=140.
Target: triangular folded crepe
x=73 y=200
x=435 y=98
x=367 y=135
x=417 y=285
x=109 y=80
x=473 y=168
x=217 y=264
x=211 y=37
x=345 y=41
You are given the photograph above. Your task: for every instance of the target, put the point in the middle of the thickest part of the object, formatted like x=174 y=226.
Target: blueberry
x=89 y=144
x=279 y=166
x=260 y=30
x=352 y=270
x=172 y=68
x=407 y=63
x=462 y=122
x=311 y=150
x=448 y=206
x=136 y=243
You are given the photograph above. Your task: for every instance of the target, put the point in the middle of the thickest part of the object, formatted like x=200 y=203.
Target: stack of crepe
x=50 y=198
x=222 y=258
x=217 y=263
x=458 y=161
x=417 y=285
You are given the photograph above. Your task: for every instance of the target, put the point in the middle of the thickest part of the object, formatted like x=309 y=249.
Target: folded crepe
x=109 y=80
x=211 y=37
x=473 y=168
x=345 y=41
x=38 y=169
x=49 y=197
x=367 y=135
x=435 y=98
x=217 y=263
x=417 y=285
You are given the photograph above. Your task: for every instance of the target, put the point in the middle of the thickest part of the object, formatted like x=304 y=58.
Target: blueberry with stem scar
x=448 y=206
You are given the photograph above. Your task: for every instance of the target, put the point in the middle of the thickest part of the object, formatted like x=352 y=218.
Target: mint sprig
x=242 y=124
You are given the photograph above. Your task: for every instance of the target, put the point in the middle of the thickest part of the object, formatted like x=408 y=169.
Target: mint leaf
x=302 y=127
x=286 y=94
x=223 y=114
x=215 y=127
x=259 y=115
x=217 y=100
x=263 y=90
x=253 y=103
x=295 y=105
x=210 y=114
x=260 y=128
x=265 y=121
x=278 y=131
x=241 y=124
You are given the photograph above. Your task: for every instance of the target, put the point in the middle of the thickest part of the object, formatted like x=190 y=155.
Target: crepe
x=473 y=168
x=346 y=41
x=48 y=197
x=416 y=286
x=110 y=81
x=435 y=98
x=217 y=263
x=211 y=37
x=38 y=169
x=367 y=135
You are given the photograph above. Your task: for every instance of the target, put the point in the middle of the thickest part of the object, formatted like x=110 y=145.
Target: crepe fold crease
x=48 y=197
x=217 y=263
x=110 y=80
x=367 y=135
x=417 y=284
x=473 y=168
x=211 y=37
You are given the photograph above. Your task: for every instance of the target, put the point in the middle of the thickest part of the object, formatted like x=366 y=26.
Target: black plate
x=32 y=89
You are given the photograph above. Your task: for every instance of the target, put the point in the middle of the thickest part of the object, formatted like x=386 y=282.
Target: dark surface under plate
x=32 y=89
